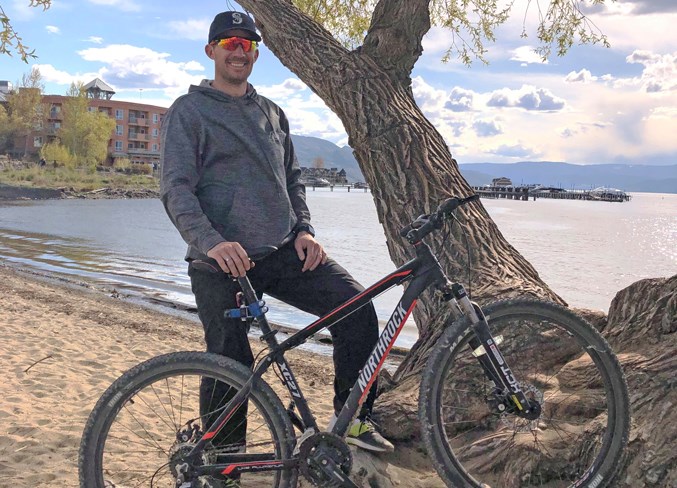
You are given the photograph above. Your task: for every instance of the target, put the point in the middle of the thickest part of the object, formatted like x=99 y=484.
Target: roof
x=96 y=83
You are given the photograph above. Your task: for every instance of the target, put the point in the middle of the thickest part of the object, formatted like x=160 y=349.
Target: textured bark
x=402 y=156
x=641 y=328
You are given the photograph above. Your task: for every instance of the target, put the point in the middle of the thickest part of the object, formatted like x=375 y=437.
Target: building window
x=130 y=145
x=155 y=147
x=37 y=141
x=119 y=114
x=156 y=117
x=155 y=133
x=119 y=130
x=118 y=145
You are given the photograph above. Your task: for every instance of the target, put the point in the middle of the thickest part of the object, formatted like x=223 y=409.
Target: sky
x=595 y=105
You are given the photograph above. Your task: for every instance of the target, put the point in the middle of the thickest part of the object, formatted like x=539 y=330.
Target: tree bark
x=402 y=156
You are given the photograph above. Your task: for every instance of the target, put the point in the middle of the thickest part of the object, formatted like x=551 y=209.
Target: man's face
x=232 y=67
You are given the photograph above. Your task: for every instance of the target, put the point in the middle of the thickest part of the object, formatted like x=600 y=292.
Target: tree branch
x=395 y=35
x=295 y=38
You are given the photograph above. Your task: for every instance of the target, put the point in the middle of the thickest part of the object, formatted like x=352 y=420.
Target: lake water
x=586 y=251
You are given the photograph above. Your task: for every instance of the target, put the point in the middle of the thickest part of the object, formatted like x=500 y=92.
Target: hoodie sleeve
x=180 y=162
x=295 y=189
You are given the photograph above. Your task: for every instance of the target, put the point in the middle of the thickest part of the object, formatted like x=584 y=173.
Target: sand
x=63 y=344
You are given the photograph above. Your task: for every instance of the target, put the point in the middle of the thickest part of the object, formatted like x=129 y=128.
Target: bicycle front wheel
x=148 y=420
x=559 y=361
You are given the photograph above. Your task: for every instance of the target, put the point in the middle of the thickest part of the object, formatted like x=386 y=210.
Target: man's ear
x=209 y=51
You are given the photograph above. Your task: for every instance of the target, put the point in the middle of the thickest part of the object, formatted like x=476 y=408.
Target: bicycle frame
x=421 y=272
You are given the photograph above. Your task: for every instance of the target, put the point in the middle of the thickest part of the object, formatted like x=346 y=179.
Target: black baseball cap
x=226 y=21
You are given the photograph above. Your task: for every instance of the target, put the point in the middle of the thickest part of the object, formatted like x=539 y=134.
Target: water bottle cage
x=247 y=312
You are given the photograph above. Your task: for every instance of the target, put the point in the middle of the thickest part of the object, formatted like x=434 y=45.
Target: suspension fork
x=486 y=350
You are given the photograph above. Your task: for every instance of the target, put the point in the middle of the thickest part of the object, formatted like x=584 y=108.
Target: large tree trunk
x=402 y=156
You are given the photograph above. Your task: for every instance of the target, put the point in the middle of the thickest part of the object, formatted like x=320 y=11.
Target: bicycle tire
x=494 y=453
x=121 y=417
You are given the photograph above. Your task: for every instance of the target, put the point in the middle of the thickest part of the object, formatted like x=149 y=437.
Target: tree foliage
x=26 y=112
x=84 y=133
x=10 y=41
x=471 y=23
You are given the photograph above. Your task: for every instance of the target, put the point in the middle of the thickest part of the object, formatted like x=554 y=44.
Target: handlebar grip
x=405 y=230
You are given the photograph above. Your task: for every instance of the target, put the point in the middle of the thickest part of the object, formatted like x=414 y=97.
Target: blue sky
x=595 y=105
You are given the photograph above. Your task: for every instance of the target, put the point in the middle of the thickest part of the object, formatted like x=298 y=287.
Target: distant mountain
x=637 y=178
x=310 y=148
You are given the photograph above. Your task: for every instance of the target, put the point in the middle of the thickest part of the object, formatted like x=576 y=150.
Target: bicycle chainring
x=331 y=446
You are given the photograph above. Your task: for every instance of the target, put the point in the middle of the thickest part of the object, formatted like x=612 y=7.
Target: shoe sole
x=368 y=447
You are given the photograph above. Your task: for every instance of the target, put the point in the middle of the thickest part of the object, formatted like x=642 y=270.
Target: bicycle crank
x=325 y=460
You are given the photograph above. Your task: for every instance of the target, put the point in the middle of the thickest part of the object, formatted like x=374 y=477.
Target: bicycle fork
x=485 y=348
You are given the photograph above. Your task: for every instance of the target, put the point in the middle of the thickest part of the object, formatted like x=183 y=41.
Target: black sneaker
x=363 y=434
x=209 y=482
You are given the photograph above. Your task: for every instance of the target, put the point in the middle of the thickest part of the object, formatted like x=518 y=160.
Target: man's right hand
x=231 y=257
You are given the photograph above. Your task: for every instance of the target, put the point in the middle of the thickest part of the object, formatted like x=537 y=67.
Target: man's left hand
x=309 y=251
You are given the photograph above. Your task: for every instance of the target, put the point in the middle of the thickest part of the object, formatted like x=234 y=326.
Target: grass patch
x=78 y=180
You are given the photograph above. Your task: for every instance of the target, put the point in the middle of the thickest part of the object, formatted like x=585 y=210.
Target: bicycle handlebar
x=425 y=224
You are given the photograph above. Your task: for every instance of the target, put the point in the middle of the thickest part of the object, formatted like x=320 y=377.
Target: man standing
x=230 y=184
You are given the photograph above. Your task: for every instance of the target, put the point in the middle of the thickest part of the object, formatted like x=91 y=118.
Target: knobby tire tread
x=431 y=379
x=181 y=361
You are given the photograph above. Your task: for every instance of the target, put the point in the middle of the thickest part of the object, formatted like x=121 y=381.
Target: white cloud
x=131 y=68
x=527 y=55
x=460 y=100
x=582 y=76
x=288 y=88
x=515 y=151
x=52 y=29
x=487 y=128
x=94 y=39
x=124 y=5
x=51 y=74
x=660 y=71
x=528 y=97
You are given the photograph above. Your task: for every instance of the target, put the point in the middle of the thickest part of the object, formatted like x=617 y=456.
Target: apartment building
x=137 y=126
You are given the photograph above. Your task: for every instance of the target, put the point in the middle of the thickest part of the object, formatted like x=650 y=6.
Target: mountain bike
x=519 y=393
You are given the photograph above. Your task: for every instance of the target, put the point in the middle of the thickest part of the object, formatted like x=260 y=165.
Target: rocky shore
x=8 y=192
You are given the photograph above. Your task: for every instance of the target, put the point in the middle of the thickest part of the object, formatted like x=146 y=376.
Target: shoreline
x=319 y=344
x=64 y=343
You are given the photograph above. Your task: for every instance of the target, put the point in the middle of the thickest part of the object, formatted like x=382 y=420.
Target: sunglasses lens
x=231 y=44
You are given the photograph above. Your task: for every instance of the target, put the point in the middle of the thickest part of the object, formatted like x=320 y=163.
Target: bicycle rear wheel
x=561 y=362
x=132 y=437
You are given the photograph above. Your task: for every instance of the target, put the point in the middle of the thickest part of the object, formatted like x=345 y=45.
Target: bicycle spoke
x=498 y=446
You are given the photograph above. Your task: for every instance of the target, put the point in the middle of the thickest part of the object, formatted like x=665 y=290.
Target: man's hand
x=232 y=258
x=310 y=251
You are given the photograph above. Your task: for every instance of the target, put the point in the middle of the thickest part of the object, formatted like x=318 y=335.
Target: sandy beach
x=62 y=345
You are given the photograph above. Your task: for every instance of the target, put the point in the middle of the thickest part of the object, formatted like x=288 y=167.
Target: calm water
x=586 y=251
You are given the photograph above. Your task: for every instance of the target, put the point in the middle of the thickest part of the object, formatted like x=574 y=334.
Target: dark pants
x=316 y=292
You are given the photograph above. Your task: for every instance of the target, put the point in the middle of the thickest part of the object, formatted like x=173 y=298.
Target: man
x=230 y=184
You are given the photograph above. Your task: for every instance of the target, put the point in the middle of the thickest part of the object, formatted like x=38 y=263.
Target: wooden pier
x=339 y=187
x=509 y=192
x=525 y=193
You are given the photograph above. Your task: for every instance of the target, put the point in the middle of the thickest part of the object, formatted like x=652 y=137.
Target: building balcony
x=138 y=121
x=137 y=136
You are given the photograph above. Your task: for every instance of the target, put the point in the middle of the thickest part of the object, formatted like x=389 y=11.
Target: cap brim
x=250 y=34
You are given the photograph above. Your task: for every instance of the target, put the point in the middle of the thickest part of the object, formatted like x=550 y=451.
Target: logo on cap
x=237 y=18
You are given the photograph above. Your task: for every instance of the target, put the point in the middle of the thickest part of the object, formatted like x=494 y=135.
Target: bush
x=122 y=164
x=53 y=151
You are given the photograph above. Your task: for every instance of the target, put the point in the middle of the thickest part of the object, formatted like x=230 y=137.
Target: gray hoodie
x=228 y=171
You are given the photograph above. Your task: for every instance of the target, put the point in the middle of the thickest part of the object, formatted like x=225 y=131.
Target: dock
x=524 y=193
x=347 y=187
